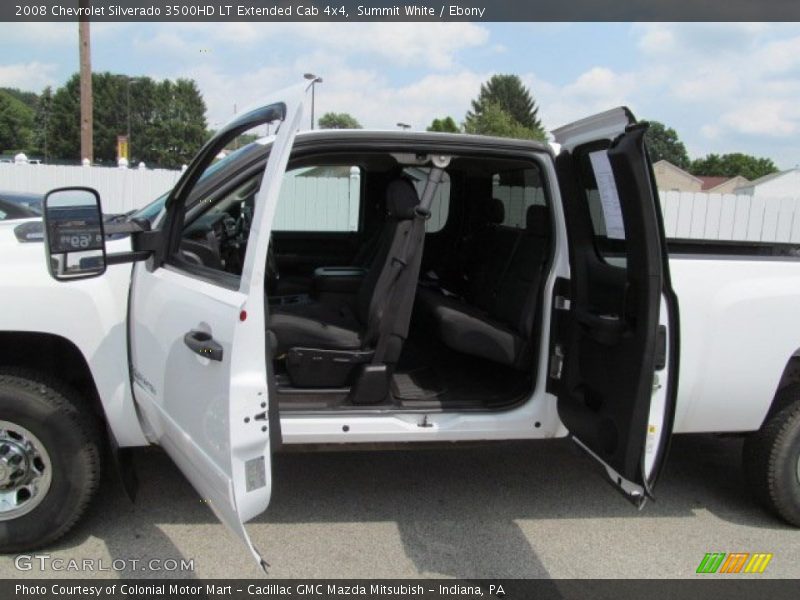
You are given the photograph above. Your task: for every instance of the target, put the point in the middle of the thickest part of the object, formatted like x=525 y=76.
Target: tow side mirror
x=73 y=233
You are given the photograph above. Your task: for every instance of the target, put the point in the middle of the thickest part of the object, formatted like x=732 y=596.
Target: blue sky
x=723 y=87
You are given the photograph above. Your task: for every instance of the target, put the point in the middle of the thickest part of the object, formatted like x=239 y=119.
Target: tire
x=771 y=458
x=63 y=440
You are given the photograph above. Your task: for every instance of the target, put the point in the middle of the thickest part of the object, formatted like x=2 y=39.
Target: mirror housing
x=73 y=233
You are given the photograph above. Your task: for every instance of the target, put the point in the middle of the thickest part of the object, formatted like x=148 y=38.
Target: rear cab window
x=518 y=189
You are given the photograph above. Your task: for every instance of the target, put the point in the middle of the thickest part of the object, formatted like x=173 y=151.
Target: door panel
x=187 y=399
x=616 y=390
x=198 y=348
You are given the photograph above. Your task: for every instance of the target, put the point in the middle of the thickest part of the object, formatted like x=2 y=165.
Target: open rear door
x=614 y=360
x=198 y=347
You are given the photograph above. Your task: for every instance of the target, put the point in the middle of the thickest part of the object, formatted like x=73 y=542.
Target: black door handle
x=605 y=329
x=203 y=344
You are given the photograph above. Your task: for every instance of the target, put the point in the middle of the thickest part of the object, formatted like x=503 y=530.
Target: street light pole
x=313 y=92
x=314 y=80
x=128 y=96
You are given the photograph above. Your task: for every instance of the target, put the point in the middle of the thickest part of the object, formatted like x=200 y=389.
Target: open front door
x=198 y=351
x=614 y=360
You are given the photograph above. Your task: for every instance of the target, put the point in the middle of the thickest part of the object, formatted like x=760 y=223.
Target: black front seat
x=303 y=328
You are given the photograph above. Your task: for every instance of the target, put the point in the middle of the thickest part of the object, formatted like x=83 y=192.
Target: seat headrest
x=491 y=210
x=537 y=220
x=401 y=199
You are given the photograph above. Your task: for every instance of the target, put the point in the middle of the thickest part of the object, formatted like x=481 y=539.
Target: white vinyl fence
x=121 y=190
x=311 y=202
x=517 y=199
x=326 y=203
x=729 y=217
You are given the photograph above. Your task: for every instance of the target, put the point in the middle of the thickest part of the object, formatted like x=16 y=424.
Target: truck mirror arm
x=143 y=241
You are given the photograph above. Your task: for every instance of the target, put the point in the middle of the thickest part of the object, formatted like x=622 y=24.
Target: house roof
x=769 y=177
x=673 y=167
x=711 y=181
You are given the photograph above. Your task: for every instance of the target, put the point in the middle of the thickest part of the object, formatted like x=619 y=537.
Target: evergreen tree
x=332 y=120
x=494 y=120
x=509 y=93
x=446 y=125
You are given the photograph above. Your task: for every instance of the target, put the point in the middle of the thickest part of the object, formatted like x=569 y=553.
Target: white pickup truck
x=473 y=288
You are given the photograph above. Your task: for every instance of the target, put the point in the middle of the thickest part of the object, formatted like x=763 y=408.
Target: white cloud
x=422 y=45
x=418 y=103
x=33 y=76
x=595 y=90
x=723 y=86
x=773 y=118
x=780 y=56
x=224 y=92
x=367 y=94
x=32 y=35
x=657 y=40
x=736 y=83
x=432 y=50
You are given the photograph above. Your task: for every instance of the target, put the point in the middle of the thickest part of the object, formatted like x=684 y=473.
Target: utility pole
x=87 y=148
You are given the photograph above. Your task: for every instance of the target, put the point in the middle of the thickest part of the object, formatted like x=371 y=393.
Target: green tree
x=44 y=105
x=29 y=99
x=664 y=144
x=63 y=123
x=16 y=124
x=493 y=120
x=332 y=120
x=167 y=119
x=177 y=125
x=513 y=97
x=733 y=164
x=446 y=125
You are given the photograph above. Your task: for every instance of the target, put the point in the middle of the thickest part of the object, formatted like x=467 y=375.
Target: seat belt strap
x=397 y=320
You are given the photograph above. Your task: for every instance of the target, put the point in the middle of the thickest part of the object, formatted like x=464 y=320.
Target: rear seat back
x=488 y=255
x=515 y=301
x=497 y=322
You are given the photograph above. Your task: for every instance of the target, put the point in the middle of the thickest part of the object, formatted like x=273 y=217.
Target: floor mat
x=417 y=384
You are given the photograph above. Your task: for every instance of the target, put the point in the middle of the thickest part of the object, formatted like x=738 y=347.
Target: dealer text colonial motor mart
x=300 y=589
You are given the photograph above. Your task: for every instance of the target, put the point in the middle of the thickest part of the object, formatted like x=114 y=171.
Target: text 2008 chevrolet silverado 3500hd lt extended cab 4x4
x=478 y=289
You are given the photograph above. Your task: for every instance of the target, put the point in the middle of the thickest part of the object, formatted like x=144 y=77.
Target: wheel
x=50 y=459
x=771 y=458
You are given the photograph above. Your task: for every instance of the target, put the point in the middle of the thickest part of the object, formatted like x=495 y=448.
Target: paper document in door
x=609 y=198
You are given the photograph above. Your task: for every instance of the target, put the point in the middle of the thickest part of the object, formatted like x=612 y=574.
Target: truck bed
x=739 y=327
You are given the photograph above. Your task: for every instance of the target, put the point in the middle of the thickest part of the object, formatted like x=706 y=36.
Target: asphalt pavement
x=521 y=509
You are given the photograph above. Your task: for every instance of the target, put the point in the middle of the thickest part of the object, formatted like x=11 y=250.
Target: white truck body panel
x=739 y=328
x=91 y=314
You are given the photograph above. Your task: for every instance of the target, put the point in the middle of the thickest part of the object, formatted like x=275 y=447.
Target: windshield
x=152 y=210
